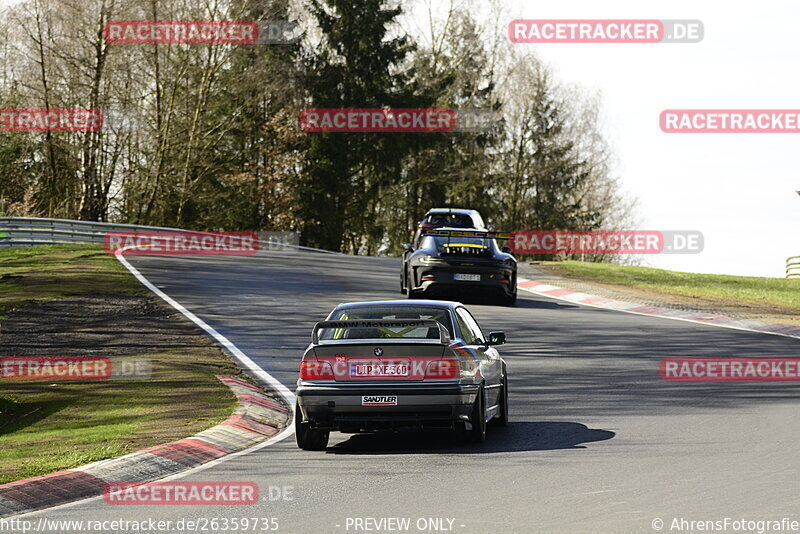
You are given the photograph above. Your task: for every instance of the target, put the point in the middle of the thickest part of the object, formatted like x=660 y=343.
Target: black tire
x=402 y=285
x=410 y=293
x=501 y=419
x=309 y=439
x=478 y=432
x=509 y=300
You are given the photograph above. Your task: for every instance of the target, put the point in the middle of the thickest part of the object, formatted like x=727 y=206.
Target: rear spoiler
x=444 y=335
x=468 y=233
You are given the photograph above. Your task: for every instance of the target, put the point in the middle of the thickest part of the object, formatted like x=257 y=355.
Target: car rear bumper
x=419 y=406
x=439 y=280
x=442 y=286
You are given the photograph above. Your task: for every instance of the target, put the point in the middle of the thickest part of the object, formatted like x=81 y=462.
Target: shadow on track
x=516 y=437
x=527 y=301
x=536 y=304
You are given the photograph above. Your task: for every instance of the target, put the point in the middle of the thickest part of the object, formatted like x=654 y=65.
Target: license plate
x=464 y=277
x=379 y=400
x=379 y=369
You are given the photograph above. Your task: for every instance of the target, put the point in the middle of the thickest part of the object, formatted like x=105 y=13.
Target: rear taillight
x=442 y=370
x=315 y=370
x=424 y=226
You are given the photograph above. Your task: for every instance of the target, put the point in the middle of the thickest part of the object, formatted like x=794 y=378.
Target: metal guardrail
x=32 y=231
x=793 y=267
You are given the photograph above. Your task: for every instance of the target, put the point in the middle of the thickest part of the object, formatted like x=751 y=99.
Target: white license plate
x=378 y=369
x=379 y=400
x=464 y=277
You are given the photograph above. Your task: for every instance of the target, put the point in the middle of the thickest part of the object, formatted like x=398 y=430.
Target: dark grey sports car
x=458 y=262
x=392 y=365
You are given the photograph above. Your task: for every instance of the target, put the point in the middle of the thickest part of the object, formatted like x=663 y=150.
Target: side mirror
x=497 y=338
x=407 y=247
x=506 y=250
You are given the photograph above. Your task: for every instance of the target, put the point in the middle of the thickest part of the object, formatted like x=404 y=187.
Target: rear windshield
x=405 y=312
x=452 y=220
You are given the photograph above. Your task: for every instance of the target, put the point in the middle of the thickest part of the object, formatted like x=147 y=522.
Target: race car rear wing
x=365 y=329
x=468 y=233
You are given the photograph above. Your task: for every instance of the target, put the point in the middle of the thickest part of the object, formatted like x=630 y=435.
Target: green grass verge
x=780 y=292
x=33 y=275
x=47 y=427
x=50 y=427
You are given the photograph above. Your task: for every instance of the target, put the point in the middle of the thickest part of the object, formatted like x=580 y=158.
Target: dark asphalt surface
x=598 y=442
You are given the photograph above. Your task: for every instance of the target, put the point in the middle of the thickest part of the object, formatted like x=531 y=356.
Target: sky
x=737 y=189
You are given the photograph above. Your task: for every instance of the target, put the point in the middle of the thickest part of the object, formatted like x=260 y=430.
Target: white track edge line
x=695 y=321
x=245 y=362
x=241 y=358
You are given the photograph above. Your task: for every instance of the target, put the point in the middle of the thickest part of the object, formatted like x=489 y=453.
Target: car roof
x=444 y=304
x=452 y=210
x=454 y=229
x=476 y=218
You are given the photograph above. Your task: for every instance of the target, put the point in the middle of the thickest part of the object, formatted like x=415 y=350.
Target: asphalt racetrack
x=597 y=443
